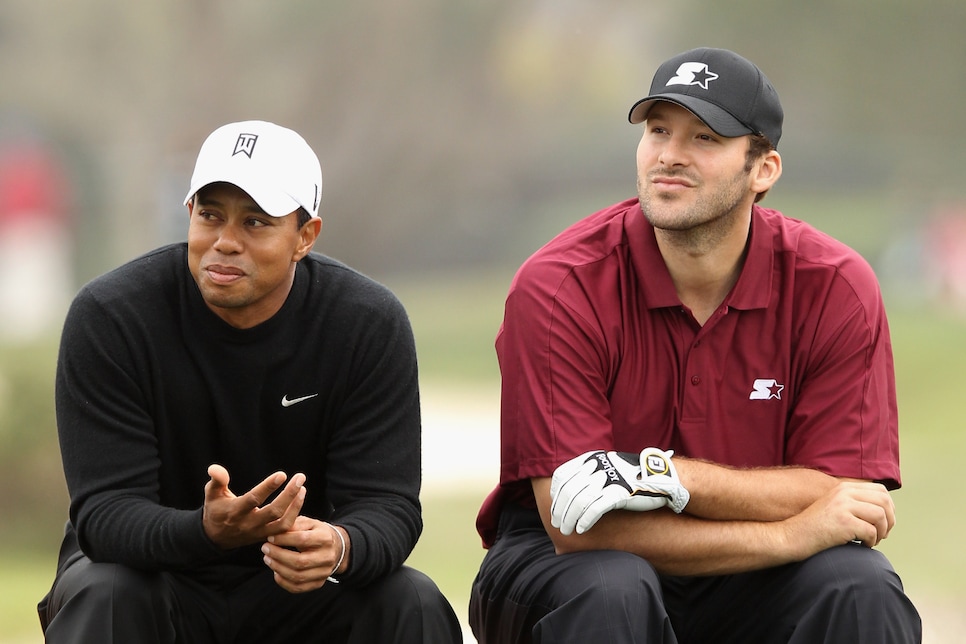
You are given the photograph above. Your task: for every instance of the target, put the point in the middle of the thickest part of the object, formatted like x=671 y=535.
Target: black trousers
x=524 y=593
x=104 y=603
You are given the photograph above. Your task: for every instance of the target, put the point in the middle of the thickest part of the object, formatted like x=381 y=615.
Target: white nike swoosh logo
x=288 y=403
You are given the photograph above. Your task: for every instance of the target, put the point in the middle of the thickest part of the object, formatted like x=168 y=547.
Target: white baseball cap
x=273 y=164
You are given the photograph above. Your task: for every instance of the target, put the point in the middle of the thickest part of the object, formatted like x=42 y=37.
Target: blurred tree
x=451 y=132
x=872 y=88
x=460 y=132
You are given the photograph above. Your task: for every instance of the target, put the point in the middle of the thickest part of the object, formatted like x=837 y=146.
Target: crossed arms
x=738 y=520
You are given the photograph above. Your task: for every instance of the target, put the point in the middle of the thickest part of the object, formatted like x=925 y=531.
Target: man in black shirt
x=240 y=429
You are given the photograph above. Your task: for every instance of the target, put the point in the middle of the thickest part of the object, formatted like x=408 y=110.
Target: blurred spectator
x=35 y=266
x=945 y=257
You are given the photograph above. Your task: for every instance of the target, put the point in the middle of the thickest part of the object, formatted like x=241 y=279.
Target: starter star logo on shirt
x=693 y=74
x=766 y=389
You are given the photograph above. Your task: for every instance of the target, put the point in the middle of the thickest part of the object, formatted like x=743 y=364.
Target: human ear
x=308 y=233
x=768 y=170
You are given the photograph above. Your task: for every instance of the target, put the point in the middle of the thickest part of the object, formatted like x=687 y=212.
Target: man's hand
x=233 y=521
x=851 y=511
x=586 y=487
x=307 y=555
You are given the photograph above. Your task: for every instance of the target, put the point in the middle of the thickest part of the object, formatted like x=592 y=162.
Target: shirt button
x=695 y=380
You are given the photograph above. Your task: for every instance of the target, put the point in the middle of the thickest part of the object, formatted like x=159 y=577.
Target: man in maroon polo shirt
x=699 y=428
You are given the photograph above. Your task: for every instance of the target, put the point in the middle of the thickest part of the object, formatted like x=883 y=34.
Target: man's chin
x=666 y=218
x=222 y=297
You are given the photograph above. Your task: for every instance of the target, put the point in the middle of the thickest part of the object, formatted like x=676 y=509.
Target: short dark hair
x=302 y=217
x=758 y=146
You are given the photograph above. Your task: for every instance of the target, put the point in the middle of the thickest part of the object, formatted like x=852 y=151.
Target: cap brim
x=716 y=118
x=273 y=202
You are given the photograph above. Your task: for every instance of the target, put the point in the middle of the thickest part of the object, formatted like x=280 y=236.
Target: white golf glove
x=586 y=487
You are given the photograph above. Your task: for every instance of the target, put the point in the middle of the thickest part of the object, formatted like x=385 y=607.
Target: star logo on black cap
x=693 y=74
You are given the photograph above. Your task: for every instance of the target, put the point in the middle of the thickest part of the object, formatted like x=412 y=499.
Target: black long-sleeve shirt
x=152 y=387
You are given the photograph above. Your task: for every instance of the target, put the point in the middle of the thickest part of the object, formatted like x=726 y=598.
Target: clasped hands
x=303 y=553
x=586 y=487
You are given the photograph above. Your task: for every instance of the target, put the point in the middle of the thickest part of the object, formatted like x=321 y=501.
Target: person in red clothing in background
x=36 y=208
x=699 y=430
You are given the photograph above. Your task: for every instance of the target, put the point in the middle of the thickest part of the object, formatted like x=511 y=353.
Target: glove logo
x=655 y=464
x=610 y=470
x=607 y=467
x=766 y=389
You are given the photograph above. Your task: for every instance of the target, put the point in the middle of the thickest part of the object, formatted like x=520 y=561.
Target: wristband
x=341 y=556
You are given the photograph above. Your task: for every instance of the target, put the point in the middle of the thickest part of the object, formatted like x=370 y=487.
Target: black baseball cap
x=724 y=90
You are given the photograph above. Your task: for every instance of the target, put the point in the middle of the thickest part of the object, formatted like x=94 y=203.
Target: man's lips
x=671 y=182
x=222 y=274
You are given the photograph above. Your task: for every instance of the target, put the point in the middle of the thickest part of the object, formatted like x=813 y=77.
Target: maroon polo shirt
x=596 y=351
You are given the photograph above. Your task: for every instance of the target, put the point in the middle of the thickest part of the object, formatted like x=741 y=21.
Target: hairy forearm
x=676 y=544
x=684 y=545
x=815 y=514
x=767 y=494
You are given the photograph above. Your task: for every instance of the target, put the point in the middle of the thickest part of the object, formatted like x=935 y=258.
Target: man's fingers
x=293 y=493
x=878 y=518
x=282 y=512
x=257 y=496
x=219 y=477
x=867 y=533
x=592 y=514
x=863 y=512
x=305 y=533
x=558 y=506
x=578 y=507
x=281 y=518
x=873 y=504
x=232 y=521
x=216 y=489
x=303 y=559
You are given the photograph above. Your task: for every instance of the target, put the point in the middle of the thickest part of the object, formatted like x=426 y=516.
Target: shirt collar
x=752 y=291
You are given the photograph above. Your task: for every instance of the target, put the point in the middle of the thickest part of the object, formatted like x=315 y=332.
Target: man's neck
x=705 y=262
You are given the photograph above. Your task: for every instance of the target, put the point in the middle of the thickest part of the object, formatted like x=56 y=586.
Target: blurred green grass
x=930 y=347
x=455 y=320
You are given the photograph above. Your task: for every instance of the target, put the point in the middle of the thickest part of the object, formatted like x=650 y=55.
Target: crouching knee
x=406 y=606
x=608 y=595
x=857 y=592
x=99 y=601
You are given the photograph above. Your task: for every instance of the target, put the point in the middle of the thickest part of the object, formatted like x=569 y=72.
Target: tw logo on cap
x=245 y=144
x=693 y=74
